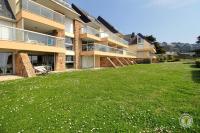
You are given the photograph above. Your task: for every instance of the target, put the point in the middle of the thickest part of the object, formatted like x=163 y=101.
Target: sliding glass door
x=6 y=63
x=42 y=60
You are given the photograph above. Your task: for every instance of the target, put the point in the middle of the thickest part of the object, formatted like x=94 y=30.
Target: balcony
x=114 y=39
x=100 y=49
x=17 y=39
x=89 y=33
x=150 y=48
x=40 y=13
x=64 y=2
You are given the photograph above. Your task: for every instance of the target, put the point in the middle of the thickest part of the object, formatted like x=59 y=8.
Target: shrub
x=197 y=63
x=161 y=58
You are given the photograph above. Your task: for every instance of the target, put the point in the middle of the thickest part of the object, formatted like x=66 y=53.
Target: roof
x=133 y=40
x=84 y=16
x=107 y=25
x=143 y=37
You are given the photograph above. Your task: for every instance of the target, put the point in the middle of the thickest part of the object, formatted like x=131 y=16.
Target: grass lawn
x=139 y=98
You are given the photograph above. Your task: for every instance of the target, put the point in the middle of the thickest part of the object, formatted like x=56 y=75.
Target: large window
x=42 y=60
x=6 y=63
x=69 y=43
x=69 y=26
x=69 y=61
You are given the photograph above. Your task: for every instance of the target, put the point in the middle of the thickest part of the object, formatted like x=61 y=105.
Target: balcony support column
x=59 y=61
x=20 y=24
x=94 y=62
x=77 y=43
x=23 y=66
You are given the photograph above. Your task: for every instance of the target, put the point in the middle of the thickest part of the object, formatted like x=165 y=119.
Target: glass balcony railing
x=15 y=34
x=104 y=48
x=114 y=37
x=41 y=10
x=118 y=39
x=90 y=30
x=64 y=2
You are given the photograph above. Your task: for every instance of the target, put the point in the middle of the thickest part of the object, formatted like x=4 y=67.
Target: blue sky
x=168 y=20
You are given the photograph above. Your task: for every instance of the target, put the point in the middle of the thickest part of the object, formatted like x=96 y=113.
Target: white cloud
x=170 y=3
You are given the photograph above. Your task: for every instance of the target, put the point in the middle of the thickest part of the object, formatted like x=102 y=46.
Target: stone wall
x=77 y=44
x=23 y=66
x=59 y=62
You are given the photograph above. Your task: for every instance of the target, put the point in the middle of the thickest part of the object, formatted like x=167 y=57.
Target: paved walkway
x=9 y=77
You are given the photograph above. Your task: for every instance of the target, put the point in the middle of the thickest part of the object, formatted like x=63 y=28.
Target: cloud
x=174 y=4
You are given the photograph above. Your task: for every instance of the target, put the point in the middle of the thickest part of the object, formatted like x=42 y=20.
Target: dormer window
x=140 y=40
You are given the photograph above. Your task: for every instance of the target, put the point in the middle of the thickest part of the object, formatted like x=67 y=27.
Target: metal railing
x=41 y=10
x=15 y=34
x=69 y=46
x=104 y=48
x=90 y=30
x=114 y=37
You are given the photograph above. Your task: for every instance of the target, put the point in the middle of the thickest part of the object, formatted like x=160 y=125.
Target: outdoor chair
x=41 y=70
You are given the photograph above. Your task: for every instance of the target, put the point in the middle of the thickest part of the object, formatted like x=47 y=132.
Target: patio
x=9 y=77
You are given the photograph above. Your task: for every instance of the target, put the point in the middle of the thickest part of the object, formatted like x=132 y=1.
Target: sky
x=167 y=20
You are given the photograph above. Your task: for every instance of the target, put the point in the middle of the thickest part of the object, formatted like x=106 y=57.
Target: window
x=69 y=43
x=69 y=40
x=6 y=63
x=140 y=40
x=69 y=61
x=69 y=26
x=69 y=58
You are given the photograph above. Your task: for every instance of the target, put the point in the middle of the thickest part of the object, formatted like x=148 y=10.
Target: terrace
x=15 y=38
x=106 y=50
x=34 y=11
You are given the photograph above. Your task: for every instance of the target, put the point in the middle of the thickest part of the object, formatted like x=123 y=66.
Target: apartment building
x=57 y=35
x=145 y=51
x=34 y=33
x=99 y=45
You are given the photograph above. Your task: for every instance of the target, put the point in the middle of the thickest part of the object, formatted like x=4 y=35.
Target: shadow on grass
x=193 y=66
x=192 y=62
x=196 y=76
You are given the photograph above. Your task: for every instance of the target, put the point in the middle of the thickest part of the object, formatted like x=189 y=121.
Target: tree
x=151 y=38
x=198 y=40
x=159 y=49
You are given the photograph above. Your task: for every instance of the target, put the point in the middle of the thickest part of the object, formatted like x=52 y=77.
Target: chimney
x=133 y=35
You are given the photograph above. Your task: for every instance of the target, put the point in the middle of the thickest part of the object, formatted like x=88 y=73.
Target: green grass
x=139 y=98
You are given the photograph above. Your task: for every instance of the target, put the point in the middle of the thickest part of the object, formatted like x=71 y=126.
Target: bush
x=161 y=58
x=172 y=58
x=177 y=59
x=197 y=63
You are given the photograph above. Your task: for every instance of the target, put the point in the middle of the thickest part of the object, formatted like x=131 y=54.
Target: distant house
x=145 y=51
x=171 y=53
